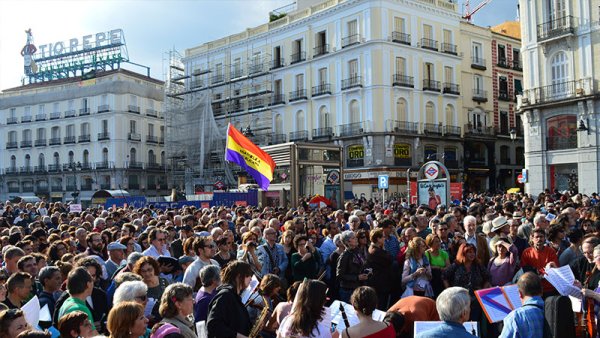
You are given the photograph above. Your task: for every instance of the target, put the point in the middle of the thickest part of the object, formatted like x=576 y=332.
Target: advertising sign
x=432 y=193
x=356 y=151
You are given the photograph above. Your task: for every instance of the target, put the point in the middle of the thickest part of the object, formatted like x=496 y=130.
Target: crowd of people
x=191 y=272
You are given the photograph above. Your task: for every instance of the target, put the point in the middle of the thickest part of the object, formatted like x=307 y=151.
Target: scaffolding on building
x=201 y=99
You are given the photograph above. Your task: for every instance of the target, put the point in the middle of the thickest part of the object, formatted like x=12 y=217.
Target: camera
x=368 y=272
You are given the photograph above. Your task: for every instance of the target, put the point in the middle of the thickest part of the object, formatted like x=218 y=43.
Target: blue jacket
x=447 y=330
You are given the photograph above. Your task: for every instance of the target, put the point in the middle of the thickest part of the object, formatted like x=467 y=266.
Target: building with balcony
x=560 y=88
x=379 y=78
x=492 y=157
x=71 y=135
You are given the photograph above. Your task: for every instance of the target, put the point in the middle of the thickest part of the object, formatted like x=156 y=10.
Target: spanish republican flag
x=243 y=152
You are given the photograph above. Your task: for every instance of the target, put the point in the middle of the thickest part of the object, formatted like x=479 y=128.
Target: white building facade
x=71 y=136
x=379 y=78
x=560 y=48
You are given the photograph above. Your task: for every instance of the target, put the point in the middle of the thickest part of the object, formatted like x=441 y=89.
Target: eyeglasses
x=210 y=246
x=443 y=229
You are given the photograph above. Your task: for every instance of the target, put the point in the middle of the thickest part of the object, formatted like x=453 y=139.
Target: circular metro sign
x=431 y=171
x=219 y=185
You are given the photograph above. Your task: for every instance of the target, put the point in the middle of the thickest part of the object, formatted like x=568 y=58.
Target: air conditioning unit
x=361 y=130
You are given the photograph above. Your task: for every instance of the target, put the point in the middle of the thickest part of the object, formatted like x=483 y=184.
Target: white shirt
x=152 y=252
x=193 y=271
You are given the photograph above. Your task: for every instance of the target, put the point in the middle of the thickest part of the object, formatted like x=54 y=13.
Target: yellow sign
x=402 y=150
x=356 y=151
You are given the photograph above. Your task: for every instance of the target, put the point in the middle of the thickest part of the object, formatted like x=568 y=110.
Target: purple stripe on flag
x=235 y=157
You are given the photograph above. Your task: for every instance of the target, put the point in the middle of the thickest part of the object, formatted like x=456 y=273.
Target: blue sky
x=151 y=27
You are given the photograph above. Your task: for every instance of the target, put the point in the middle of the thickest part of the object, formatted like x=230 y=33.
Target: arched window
x=27 y=162
x=86 y=157
x=429 y=112
x=56 y=159
x=324 y=118
x=278 y=124
x=151 y=157
x=162 y=158
x=41 y=161
x=300 y=120
x=354 y=111
x=401 y=114
x=132 y=154
x=105 y=155
x=71 y=157
x=13 y=162
x=450 y=115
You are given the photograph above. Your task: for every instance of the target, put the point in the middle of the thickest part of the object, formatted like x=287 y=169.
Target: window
x=151 y=156
x=448 y=74
x=150 y=129
x=562 y=132
x=27 y=161
x=41 y=134
x=71 y=157
x=132 y=155
x=503 y=123
x=429 y=151
x=276 y=57
x=13 y=112
x=299 y=81
x=322 y=76
x=237 y=67
x=105 y=155
x=428 y=32
x=104 y=99
x=133 y=100
x=56 y=107
x=429 y=112
x=300 y=120
x=401 y=114
x=321 y=38
x=324 y=118
x=85 y=128
x=70 y=130
x=504 y=155
x=86 y=157
x=518 y=87
x=71 y=104
x=278 y=124
x=428 y=73
x=450 y=157
x=448 y=36
x=399 y=24
x=559 y=72
x=41 y=109
x=41 y=161
x=353 y=68
x=162 y=132
x=55 y=132
x=84 y=104
x=352 y=28
x=354 y=112
x=478 y=84
x=132 y=126
x=56 y=159
x=105 y=126
x=219 y=70
x=502 y=88
x=478 y=120
x=501 y=55
x=27 y=135
x=450 y=115
x=400 y=66
x=516 y=58
x=12 y=136
x=27 y=111
x=13 y=162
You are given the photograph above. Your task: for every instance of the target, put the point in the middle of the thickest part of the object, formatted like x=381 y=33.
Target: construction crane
x=469 y=14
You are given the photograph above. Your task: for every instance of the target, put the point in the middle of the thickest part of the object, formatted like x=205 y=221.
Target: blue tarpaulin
x=219 y=198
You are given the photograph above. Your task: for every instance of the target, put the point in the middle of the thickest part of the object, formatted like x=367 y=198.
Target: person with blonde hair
x=416 y=274
x=177 y=308
x=127 y=320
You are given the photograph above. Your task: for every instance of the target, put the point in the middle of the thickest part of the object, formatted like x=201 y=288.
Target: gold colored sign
x=402 y=150
x=356 y=151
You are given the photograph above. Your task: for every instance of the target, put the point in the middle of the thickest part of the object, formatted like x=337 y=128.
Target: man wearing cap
x=116 y=253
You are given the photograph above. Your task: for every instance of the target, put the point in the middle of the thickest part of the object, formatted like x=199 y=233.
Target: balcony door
x=559 y=66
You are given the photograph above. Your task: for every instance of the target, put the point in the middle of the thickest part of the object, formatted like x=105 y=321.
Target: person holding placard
x=526 y=321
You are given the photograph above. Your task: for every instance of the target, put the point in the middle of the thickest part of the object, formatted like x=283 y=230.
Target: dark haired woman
x=177 y=308
x=306 y=317
x=364 y=301
x=227 y=315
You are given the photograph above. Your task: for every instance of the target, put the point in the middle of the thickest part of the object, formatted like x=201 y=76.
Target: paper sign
x=75 y=208
x=577 y=304
x=45 y=314
x=149 y=306
x=421 y=327
x=205 y=205
x=31 y=309
x=494 y=303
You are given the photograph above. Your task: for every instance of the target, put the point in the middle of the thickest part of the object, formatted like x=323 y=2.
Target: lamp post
x=582 y=126
x=513 y=134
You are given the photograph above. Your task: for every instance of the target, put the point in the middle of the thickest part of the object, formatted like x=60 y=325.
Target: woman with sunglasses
x=148 y=268
x=12 y=322
x=224 y=256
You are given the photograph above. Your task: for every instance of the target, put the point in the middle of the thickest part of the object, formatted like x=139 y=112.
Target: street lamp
x=513 y=134
x=582 y=126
